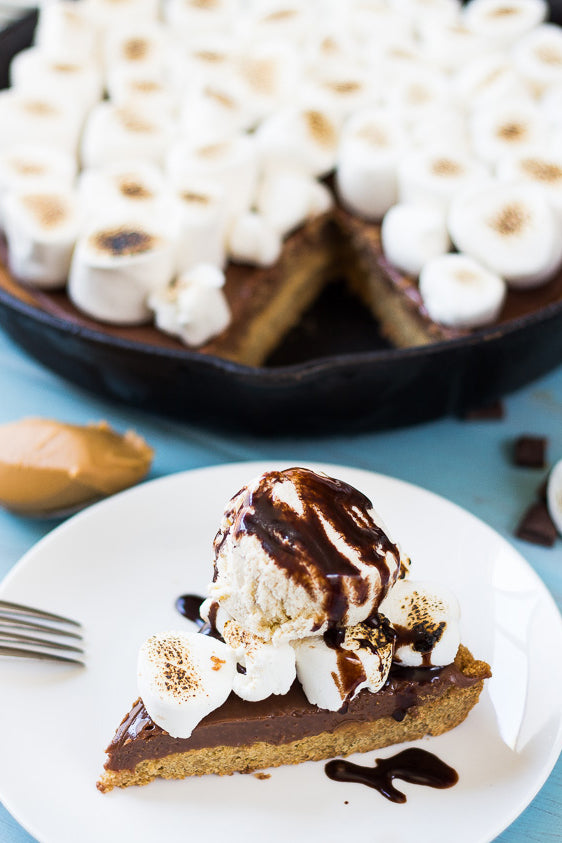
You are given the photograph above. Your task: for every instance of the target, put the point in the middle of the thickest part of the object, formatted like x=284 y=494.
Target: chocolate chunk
x=530 y=451
x=537 y=526
x=487 y=412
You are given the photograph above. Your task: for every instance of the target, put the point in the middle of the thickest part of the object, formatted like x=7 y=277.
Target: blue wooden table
x=467 y=462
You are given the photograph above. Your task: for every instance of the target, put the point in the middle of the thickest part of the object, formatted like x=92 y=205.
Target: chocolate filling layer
x=279 y=719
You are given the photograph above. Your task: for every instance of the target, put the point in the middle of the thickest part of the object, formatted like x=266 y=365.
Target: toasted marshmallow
x=554 y=495
x=338 y=91
x=263 y=668
x=22 y=165
x=424 y=12
x=206 y=57
x=412 y=234
x=66 y=31
x=499 y=128
x=436 y=174
x=539 y=167
x=538 y=57
x=418 y=91
x=78 y=82
x=139 y=46
x=284 y=20
x=510 y=229
x=287 y=198
x=182 y=677
x=366 y=174
x=459 y=292
x=214 y=112
x=41 y=226
x=268 y=74
x=42 y=119
x=230 y=164
x=501 y=22
x=299 y=137
x=190 y=18
x=113 y=133
x=201 y=223
x=331 y=676
x=141 y=90
x=137 y=187
x=115 y=266
x=426 y=617
x=252 y=239
x=193 y=307
x=487 y=79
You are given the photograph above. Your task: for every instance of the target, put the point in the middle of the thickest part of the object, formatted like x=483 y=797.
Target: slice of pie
x=317 y=644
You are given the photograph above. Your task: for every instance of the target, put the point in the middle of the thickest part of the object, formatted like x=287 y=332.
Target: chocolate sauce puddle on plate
x=189 y=605
x=411 y=765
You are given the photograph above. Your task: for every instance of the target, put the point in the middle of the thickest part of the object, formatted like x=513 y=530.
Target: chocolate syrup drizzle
x=414 y=765
x=298 y=542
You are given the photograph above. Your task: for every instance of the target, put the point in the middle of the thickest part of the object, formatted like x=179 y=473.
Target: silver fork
x=23 y=625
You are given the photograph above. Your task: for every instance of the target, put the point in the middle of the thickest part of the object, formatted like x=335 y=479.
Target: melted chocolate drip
x=411 y=765
x=298 y=541
x=189 y=605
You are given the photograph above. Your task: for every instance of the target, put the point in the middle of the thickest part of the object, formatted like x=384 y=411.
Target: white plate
x=120 y=565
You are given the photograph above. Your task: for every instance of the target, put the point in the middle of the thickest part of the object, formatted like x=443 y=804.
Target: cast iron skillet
x=334 y=372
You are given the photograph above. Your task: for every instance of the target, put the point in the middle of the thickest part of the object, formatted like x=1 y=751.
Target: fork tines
x=19 y=626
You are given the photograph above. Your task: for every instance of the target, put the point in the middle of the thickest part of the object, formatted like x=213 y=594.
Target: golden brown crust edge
x=430 y=718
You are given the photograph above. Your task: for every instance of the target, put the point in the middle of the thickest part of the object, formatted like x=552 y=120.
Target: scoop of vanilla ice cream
x=298 y=552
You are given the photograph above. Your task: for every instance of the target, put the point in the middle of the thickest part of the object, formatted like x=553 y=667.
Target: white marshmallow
x=201 y=223
x=231 y=164
x=115 y=266
x=193 y=307
x=488 y=79
x=500 y=128
x=429 y=611
x=182 y=677
x=412 y=234
x=66 y=31
x=551 y=107
x=450 y=46
x=434 y=175
x=41 y=226
x=501 y=22
x=460 y=293
x=137 y=187
x=109 y=15
x=299 y=137
x=189 y=18
x=371 y=147
x=112 y=134
x=26 y=164
x=539 y=167
x=266 y=668
x=510 y=229
x=286 y=199
x=428 y=12
x=253 y=240
x=32 y=71
x=40 y=119
x=554 y=495
x=333 y=676
x=538 y=57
